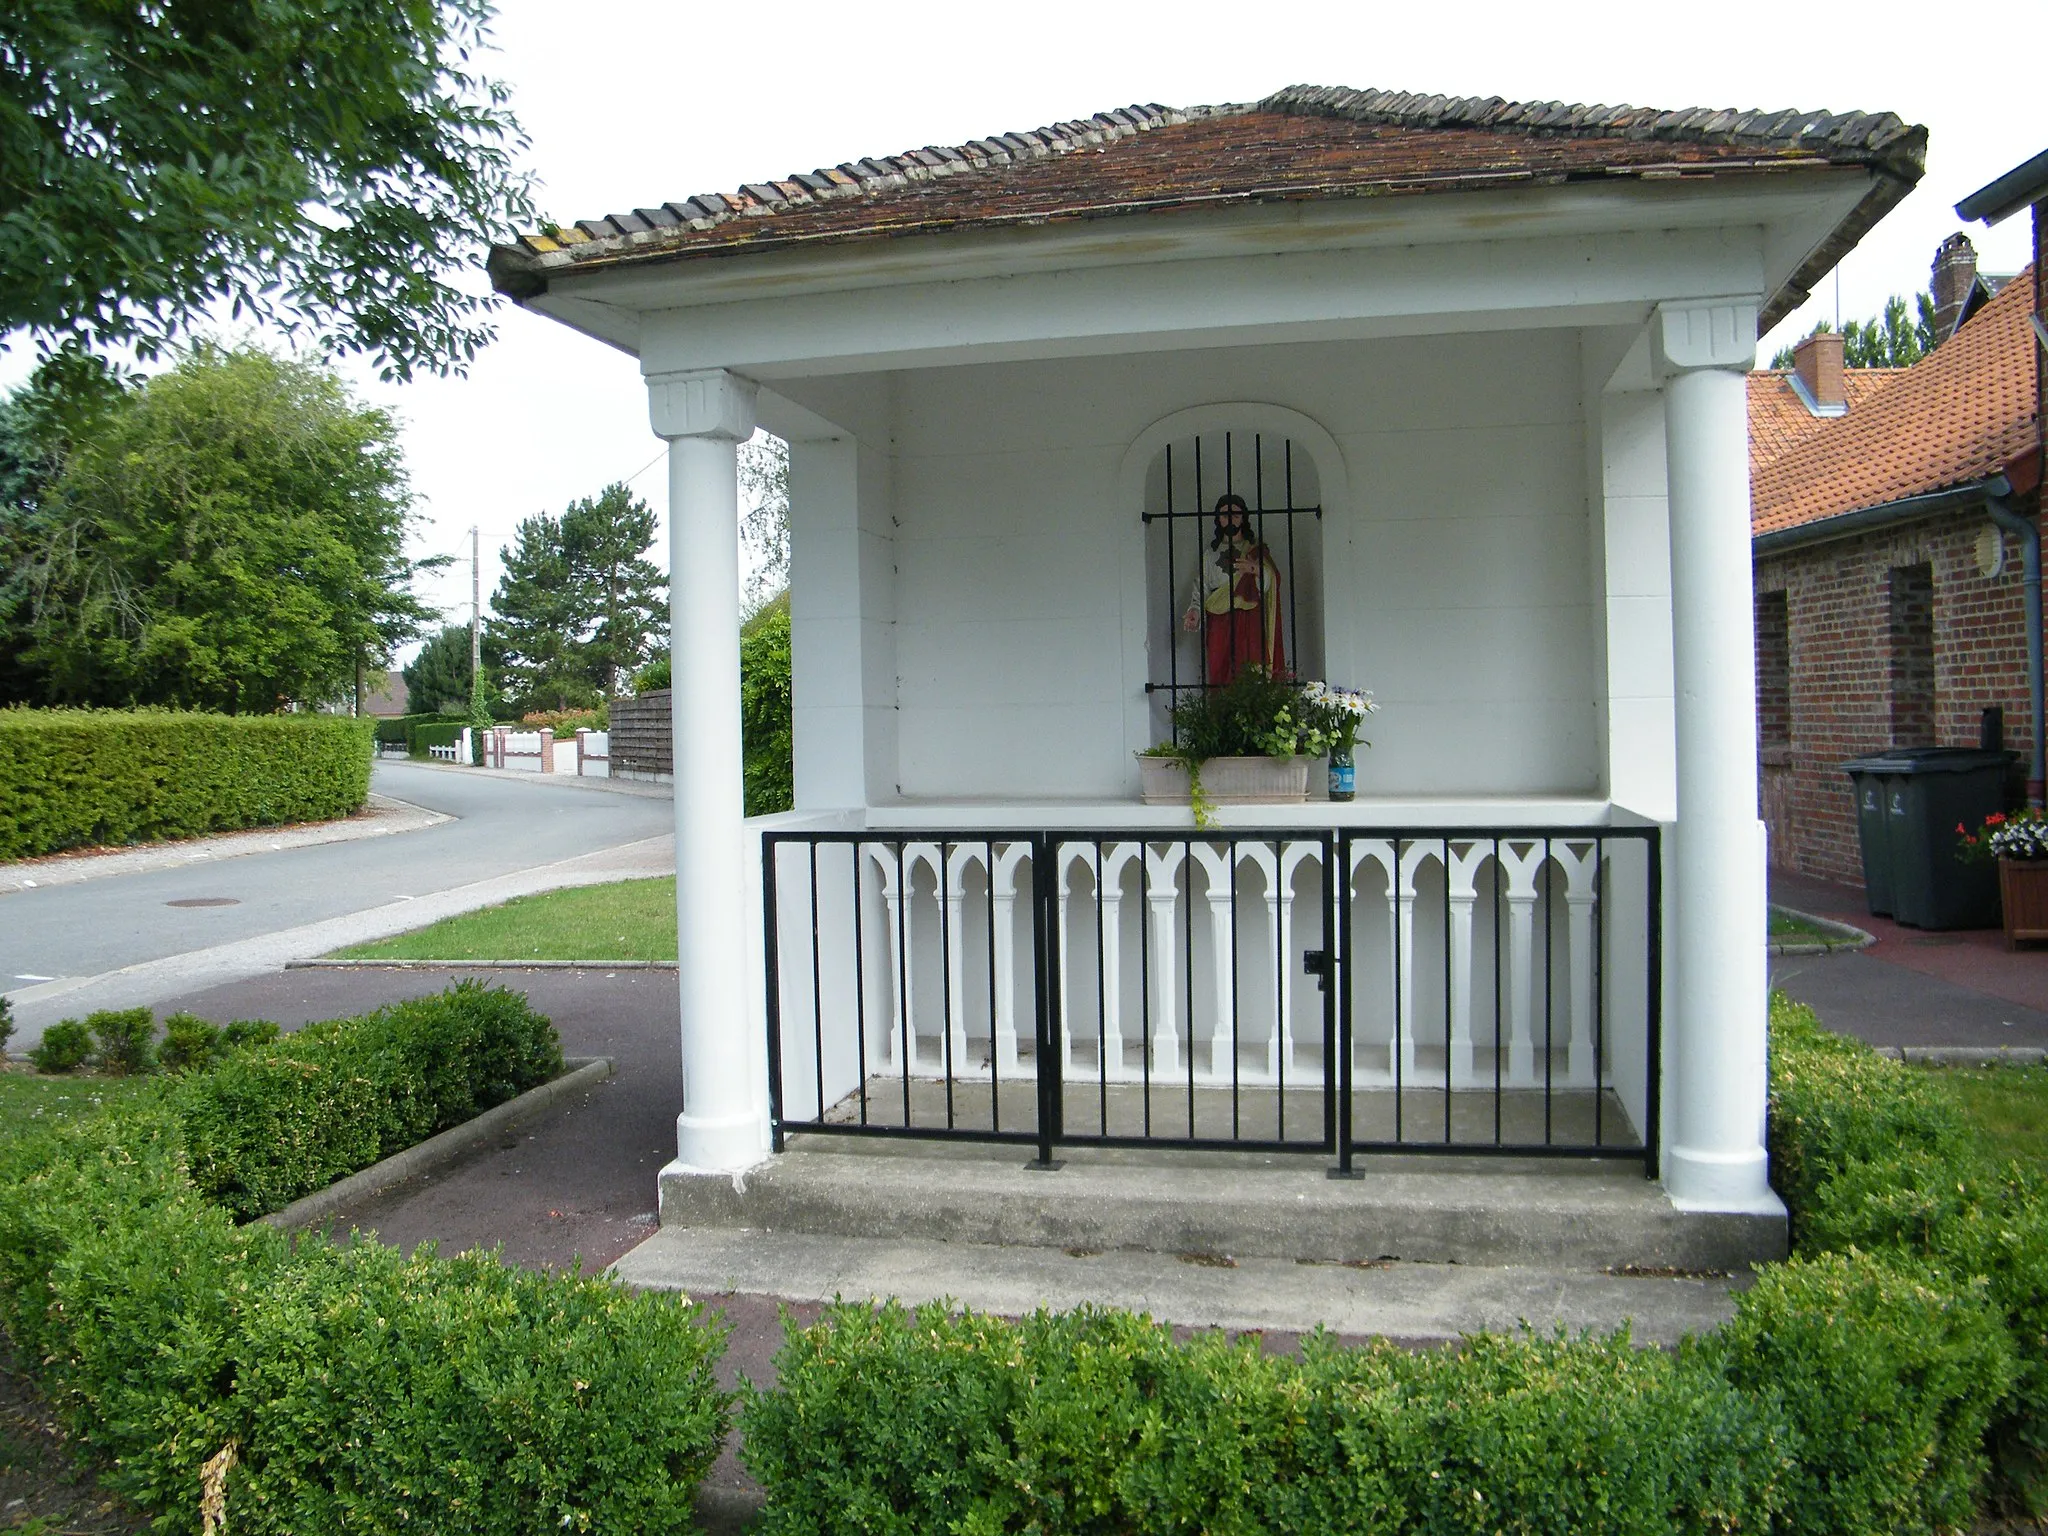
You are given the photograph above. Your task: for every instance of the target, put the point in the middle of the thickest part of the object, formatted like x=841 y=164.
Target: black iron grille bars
x=1333 y=991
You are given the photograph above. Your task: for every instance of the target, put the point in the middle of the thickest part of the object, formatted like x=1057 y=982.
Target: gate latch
x=1320 y=964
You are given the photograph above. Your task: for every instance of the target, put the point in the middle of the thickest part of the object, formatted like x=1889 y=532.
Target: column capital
x=709 y=403
x=1691 y=334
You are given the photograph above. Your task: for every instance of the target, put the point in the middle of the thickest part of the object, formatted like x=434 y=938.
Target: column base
x=720 y=1143
x=1721 y=1181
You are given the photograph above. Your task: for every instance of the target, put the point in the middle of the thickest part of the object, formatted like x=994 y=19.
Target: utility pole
x=476 y=612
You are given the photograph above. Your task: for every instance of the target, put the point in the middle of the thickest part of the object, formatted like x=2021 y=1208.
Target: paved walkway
x=1910 y=987
x=168 y=923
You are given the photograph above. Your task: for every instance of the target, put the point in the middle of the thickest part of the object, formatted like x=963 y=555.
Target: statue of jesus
x=1236 y=603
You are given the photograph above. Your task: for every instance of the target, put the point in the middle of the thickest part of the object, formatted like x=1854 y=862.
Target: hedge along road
x=135 y=939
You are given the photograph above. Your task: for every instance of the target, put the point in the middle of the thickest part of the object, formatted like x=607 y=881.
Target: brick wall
x=1839 y=607
x=641 y=743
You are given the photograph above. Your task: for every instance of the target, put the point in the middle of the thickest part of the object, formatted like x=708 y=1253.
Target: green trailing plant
x=65 y=1047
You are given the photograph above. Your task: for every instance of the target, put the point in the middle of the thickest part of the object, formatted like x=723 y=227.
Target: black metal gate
x=1325 y=991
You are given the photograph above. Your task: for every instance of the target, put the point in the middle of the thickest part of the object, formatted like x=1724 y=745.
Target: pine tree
x=540 y=620
x=623 y=597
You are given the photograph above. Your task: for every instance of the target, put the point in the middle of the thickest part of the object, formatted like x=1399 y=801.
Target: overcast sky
x=629 y=103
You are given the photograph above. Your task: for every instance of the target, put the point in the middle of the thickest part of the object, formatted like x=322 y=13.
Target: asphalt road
x=502 y=826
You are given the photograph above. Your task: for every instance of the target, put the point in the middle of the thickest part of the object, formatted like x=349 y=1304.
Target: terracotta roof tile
x=1779 y=419
x=1959 y=415
x=1306 y=142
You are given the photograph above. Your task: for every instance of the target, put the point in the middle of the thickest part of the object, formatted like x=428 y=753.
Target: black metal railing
x=1338 y=991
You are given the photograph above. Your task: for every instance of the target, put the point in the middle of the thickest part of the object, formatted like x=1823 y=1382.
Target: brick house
x=1890 y=607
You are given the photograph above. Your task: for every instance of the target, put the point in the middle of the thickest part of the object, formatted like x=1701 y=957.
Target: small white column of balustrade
x=1161 y=896
x=1003 y=952
x=1109 y=892
x=953 y=886
x=1522 y=867
x=1222 y=960
x=1715 y=1027
x=1461 y=871
x=1581 y=862
x=704 y=416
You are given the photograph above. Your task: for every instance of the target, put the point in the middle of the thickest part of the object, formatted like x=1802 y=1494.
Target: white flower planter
x=1226 y=780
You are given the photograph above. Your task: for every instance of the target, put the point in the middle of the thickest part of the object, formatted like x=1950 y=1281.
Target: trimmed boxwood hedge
x=437 y=732
x=1864 y=1387
x=73 y=778
x=391 y=729
x=341 y=1388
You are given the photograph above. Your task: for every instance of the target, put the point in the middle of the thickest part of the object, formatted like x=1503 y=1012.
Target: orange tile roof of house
x=1302 y=143
x=1960 y=415
x=1779 y=419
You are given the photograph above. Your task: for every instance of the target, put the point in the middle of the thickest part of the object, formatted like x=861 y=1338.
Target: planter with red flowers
x=2019 y=842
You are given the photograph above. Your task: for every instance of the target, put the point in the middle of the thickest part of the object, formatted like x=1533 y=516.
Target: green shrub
x=361 y=1389
x=893 y=1422
x=6 y=1026
x=391 y=729
x=1889 y=1375
x=272 y=1123
x=74 y=778
x=246 y=1032
x=1872 y=1155
x=65 y=1047
x=766 y=728
x=479 y=1398
x=191 y=1044
x=431 y=732
x=1837 y=1106
x=124 y=1041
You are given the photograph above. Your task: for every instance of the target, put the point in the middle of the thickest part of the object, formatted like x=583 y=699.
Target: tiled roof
x=1779 y=419
x=1957 y=416
x=1305 y=142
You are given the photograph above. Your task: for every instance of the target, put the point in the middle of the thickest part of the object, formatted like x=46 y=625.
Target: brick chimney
x=1955 y=268
x=1817 y=363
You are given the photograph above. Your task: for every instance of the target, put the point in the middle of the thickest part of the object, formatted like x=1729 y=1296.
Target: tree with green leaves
x=580 y=607
x=331 y=169
x=624 y=595
x=1890 y=341
x=228 y=536
x=437 y=680
x=540 y=620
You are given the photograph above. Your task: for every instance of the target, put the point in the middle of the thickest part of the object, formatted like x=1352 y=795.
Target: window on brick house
x=1773 y=671
x=1912 y=655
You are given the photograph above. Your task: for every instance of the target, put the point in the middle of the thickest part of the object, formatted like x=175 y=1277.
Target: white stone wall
x=1457 y=585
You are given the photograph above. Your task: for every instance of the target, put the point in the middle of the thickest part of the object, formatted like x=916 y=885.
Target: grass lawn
x=2008 y=1105
x=28 y=1101
x=630 y=920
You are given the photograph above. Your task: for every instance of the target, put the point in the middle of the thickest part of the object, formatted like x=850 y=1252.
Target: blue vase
x=1343 y=774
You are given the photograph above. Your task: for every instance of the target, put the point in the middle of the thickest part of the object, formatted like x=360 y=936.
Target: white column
x=1715 y=1022
x=705 y=416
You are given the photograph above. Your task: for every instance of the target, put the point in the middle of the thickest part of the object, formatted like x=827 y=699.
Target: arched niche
x=1291 y=473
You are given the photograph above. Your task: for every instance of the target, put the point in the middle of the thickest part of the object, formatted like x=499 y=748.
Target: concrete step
x=1581 y=1216
x=1413 y=1303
